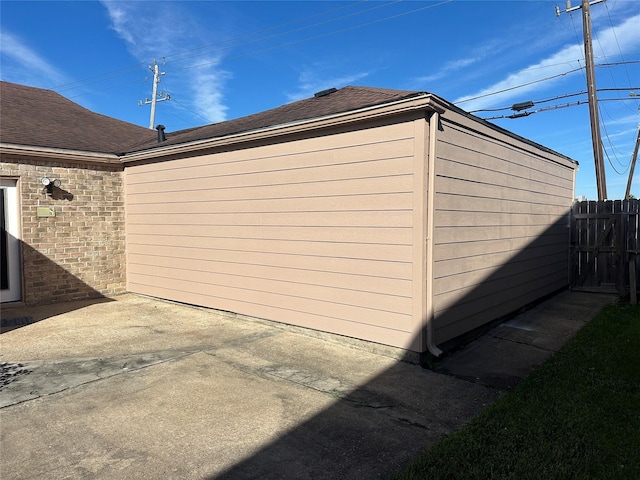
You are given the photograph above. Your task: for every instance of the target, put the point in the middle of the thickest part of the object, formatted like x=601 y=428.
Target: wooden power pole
x=634 y=157
x=596 y=138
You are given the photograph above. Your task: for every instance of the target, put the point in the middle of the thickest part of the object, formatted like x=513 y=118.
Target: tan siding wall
x=501 y=227
x=79 y=253
x=314 y=232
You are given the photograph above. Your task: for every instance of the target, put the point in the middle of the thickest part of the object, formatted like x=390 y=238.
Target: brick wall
x=79 y=253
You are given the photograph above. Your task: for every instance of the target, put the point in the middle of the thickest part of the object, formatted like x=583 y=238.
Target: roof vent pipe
x=161 y=136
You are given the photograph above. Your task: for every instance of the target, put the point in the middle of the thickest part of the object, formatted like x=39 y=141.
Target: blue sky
x=224 y=60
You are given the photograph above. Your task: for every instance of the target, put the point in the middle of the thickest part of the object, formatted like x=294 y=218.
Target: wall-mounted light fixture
x=49 y=184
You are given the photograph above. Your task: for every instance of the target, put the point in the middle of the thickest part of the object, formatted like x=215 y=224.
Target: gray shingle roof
x=43 y=118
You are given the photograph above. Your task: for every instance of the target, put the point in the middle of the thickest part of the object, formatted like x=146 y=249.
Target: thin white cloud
x=209 y=101
x=450 y=68
x=148 y=30
x=152 y=33
x=314 y=79
x=632 y=119
x=628 y=134
x=626 y=37
x=26 y=65
x=121 y=21
x=523 y=81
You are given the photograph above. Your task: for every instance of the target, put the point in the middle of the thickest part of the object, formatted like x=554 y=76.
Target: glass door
x=10 y=285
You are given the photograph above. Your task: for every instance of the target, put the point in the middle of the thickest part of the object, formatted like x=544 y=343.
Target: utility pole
x=154 y=95
x=596 y=138
x=634 y=157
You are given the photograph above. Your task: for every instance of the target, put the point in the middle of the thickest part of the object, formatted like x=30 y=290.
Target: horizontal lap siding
x=501 y=228
x=314 y=232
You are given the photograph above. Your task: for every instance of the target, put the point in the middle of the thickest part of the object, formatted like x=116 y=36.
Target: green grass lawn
x=575 y=417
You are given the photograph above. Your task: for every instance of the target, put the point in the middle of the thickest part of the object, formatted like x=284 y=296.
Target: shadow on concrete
x=329 y=447
x=48 y=289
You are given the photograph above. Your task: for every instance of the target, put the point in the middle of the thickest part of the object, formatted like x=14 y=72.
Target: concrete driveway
x=139 y=388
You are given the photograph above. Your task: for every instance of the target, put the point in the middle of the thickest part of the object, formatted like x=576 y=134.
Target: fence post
x=633 y=297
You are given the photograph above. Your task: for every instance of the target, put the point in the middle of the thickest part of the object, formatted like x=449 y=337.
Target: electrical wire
x=324 y=35
x=134 y=68
x=615 y=64
x=100 y=77
x=213 y=52
x=180 y=56
x=529 y=69
x=557 y=97
x=533 y=82
x=578 y=41
x=128 y=70
x=554 y=107
x=292 y=22
x=617 y=42
x=189 y=110
x=614 y=151
x=603 y=110
x=606 y=153
x=184 y=107
x=103 y=89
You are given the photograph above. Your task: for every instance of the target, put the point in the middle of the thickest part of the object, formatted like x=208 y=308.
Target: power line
x=103 y=89
x=613 y=167
x=555 y=107
x=275 y=35
x=479 y=96
x=601 y=108
x=529 y=69
x=615 y=64
x=134 y=68
x=189 y=110
x=293 y=22
x=613 y=150
x=519 y=86
x=496 y=92
x=297 y=42
x=613 y=29
x=100 y=77
x=558 y=97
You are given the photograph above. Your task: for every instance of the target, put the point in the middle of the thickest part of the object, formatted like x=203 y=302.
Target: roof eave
x=423 y=101
x=59 y=154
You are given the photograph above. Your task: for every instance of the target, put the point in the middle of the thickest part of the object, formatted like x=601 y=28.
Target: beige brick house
x=385 y=215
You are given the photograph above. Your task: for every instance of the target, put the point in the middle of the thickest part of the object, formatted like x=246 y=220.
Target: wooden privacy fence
x=605 y=247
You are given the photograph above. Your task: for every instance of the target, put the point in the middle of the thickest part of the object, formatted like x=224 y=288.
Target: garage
x=384 y=215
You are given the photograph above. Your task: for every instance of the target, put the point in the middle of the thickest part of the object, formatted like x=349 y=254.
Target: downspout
x=434 y=120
